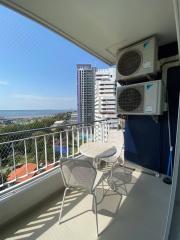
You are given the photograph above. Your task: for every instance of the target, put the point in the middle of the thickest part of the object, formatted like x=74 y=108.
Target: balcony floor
x=140 y=215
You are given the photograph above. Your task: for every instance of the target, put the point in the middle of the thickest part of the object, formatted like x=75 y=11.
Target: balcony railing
x=25 y=155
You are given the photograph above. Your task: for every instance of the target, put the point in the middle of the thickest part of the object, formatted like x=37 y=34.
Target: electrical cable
x=168 y=179
x=169 y=169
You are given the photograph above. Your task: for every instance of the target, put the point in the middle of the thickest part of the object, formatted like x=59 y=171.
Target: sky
x=37 y=66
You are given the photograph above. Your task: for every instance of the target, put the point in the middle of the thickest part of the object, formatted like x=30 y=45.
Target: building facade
x=105 y=93
x=85 y=92
x=73 y=118
x=105 y=99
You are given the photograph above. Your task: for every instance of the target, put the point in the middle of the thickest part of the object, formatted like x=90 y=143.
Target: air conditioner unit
x=137 y=60
x=140 y=99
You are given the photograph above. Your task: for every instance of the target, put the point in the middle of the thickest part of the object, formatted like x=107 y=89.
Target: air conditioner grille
x=131 y=99
x=129 y=63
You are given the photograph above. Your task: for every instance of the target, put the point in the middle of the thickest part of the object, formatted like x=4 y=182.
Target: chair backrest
x=119 y=151
x=78 y=173
x=118 y=156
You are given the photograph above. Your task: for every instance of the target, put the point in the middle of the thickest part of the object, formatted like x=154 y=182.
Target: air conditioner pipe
x=177 y=21
x=165 y=68
x=170 y=167
x=163 y=61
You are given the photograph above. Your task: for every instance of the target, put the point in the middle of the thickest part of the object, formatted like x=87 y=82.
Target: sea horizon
x=34 y=113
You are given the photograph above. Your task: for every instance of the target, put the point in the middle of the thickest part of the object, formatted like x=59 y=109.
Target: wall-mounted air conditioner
x=137 y=61
x=140 y=99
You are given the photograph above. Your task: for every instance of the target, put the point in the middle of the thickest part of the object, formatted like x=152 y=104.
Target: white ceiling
x=103 y=26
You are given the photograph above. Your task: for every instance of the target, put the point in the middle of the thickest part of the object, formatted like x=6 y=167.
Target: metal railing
x=40 y=150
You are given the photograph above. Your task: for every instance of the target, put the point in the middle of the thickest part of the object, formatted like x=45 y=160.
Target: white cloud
x=4 y=83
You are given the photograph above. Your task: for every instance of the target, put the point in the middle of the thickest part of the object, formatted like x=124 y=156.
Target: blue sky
x=37 y=67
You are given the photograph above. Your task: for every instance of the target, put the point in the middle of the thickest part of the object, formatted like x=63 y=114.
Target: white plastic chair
x=116 y=159
x=80 y=174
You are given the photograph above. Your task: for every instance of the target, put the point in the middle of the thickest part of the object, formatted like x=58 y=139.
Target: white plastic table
x=97 y=150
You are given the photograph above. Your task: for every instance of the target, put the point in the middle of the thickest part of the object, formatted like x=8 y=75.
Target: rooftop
x=21 y=171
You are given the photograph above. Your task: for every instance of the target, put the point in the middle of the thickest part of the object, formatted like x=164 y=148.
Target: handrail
x=57 y=127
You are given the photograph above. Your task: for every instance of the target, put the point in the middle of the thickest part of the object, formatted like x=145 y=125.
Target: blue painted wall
x=146 y=141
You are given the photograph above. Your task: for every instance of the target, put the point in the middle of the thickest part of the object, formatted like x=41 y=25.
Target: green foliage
x=6 y=174
x=6 y=149
x=36 y=124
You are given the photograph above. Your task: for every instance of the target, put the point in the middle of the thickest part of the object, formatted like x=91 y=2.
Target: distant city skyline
x=37 y=67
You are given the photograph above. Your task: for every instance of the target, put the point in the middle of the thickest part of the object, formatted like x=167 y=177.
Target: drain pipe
x=177 y=21
x=165 y=69
x=169 y=227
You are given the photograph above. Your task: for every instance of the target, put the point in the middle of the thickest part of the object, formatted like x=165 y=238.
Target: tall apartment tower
x=105 y=91
x=85 y=92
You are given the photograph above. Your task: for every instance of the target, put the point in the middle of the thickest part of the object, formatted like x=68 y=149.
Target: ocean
x=14 y=114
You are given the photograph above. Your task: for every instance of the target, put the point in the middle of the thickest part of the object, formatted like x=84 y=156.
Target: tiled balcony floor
x=139 y=216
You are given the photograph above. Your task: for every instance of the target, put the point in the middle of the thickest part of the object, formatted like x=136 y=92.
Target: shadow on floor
x=38 y=220
x=143 y=213
x=32 y=224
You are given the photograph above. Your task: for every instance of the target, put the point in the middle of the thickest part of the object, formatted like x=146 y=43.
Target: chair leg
x=95 y=204
x=124 y=172
x=62 y=204
x=98 y=163
x=103 y=186
x=106 y=166
x=113 y=187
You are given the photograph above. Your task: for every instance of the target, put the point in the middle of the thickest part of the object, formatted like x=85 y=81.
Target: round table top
x=97 y=150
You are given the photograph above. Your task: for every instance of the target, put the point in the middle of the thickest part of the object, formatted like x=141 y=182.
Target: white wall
x=22 y=198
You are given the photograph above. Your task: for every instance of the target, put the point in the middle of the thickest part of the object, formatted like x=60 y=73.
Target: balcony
x=30 y=208
x=27 y=154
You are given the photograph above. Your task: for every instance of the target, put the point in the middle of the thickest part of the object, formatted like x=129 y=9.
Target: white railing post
x=25 y=156
x=106 y=130
x=91 y=136
x=60 y=144
x=14 y=161
x=87 y=135
x=78 y=140
x=99 y=132
x=45 y=150
x=67 y=144
x=73 y=141
x=102 y=132
x=2 y=180
x=94 y=128
x=36 y=153
x=54 y=155
x=82 y=134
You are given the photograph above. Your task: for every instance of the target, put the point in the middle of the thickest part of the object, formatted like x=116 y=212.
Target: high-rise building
x=85 y=92
x=105 y=100
x=105 y=93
